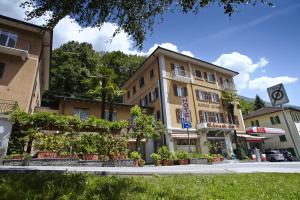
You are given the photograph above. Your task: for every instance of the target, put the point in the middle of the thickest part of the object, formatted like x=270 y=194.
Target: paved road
x=283 y=167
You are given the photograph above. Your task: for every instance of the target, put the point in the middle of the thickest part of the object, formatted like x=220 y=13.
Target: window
x=8 y=39
x=179 y=115
x=186 y=142
x=144 y=101
x=201 y=95
x=128 y=94
x=177 y=70
x=275 y=120
x=114 y=116
x=252 y=123
x=134 y=90
x=214 y=98
x=282 y=138
x=209 y=77
x=158 y=115
x=257 y=123
x=82 y=113
x=151 y=74
x=204 y=116
x=2 y=66
x=153 y=95
x=198 y=74
x=295 y=117
x=180 y=91
x=142 y=82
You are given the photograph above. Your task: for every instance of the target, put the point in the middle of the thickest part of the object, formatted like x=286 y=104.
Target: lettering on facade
x=206 y=105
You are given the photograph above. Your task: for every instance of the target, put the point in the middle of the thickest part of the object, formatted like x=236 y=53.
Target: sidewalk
x=284 y=167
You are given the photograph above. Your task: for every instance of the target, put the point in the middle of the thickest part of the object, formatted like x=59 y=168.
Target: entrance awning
x=183 y=135
x=264 y=131
x=251 y=138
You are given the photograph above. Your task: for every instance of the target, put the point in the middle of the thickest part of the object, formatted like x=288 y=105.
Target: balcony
x=228 y=87
x=7 y=106
x=181 y=75
x=12 y=45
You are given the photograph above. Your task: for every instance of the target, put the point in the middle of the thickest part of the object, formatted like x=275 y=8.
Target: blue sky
x=261 y=42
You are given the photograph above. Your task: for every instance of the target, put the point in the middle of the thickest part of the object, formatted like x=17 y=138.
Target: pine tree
x=259 y=103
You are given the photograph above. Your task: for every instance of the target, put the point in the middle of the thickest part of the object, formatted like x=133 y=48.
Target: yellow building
x=24 y=62
x=273 y=117
x=165 y=78
x=25 y=51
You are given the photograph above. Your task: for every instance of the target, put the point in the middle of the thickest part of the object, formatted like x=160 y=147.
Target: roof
x=268 y=110
x=23 y=22
x=184 y=57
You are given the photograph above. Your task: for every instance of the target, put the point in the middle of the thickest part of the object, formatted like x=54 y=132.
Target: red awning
x=251 y=138
x=265 y=131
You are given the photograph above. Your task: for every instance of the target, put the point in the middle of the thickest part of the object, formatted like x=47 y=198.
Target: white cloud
x=262 y=83
x=242 y=64
x=67 y=30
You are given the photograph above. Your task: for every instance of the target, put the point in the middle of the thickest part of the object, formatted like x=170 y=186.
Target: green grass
x=82 y=186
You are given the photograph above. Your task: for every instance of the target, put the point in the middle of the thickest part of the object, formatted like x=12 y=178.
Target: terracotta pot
x=170 y=162
x=69 y=156
x=216 y=159
x=90 y=157
x=165 y=162
x=47 y=154
x=141 y=163
x=183 y=162
x=17 y=157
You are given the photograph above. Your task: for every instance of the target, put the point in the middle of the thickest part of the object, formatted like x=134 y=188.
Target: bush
x=183 y=155
x=135 y=155
x=155 y=157
x=164 y=153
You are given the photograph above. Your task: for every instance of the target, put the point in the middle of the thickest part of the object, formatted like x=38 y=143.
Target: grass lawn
x=82 y=186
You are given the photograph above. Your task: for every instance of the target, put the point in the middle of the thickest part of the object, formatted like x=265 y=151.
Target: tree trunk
x=103 y=98
x=29 y=145
x=110 y=108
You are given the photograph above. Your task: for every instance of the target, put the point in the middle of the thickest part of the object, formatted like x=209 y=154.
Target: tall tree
x=258 y=103
x=246 y=106
x=135 y=17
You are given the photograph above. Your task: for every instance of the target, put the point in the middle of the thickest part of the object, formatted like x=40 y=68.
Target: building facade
x=273 y=117
x=165 y=78
x=25 y=51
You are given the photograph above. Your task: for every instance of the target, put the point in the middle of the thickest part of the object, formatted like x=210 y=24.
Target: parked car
x=274 y=156
x=288 y=156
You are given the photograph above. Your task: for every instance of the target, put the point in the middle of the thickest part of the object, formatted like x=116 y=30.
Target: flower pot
x=165 y=162
x=69 y=156
x=17 y=157
x=157 y=163
x=47 y=154
x=217 y=159
x=90 y=156
x=141 y=163
x=183 y=162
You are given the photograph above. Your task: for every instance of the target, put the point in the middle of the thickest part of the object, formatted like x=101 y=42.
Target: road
x=282 y=167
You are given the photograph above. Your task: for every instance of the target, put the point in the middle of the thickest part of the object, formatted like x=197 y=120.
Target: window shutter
x=175 y=90
x=278 y=120
x=2 y=66
x=201 y=116
x=172 y=67
x=198 y=74
x=150 y=97
x=146 y=98
x=222 y=118
x=140 y=102
x=182 y=68
x=221 y=81
x=197 y=94
x=218 y=98
x=272 y=120
x=185 y=92
x=178 y=115
x=156 y=93
x=205 y=75
x=213 y=77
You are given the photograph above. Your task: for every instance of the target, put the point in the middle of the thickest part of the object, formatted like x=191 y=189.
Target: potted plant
x=48 y=146
x=172 y=159
x=135 y=156
x=156 y=159
x=88 y=147
x=165 y=155
x=183 y=157
x=141 y=162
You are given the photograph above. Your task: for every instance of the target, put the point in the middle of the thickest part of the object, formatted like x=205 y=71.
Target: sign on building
x=278 y=95
x=186 y=113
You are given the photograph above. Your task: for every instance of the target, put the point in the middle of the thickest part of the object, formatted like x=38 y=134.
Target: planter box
x=199 y=161
x=90 y=157
x=47 y=154
x=118 y=163
x=53 y=162
x=183 y=162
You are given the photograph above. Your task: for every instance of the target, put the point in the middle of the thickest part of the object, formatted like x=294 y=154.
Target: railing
x=7 y=106
x=179 y=72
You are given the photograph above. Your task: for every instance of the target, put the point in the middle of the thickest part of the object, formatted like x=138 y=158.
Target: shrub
x=135 y=155
x=156 y=157
x=173 y=156
x=183 y=155
x=164 y=153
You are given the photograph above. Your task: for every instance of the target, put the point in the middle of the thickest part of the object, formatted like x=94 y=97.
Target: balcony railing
x=181 y=75
x=7 y=106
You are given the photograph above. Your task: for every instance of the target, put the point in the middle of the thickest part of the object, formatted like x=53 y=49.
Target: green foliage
x=164 y=153
x=135 y=155
x=136 y=18
x=258 y=103
x=144 y=126
x=77 y=186
x=246 y=106
x=183 y=155
x=88 y=144
x=49 y=142
x=155 y=157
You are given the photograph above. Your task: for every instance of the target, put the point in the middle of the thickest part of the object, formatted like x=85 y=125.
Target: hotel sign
x=215 y=126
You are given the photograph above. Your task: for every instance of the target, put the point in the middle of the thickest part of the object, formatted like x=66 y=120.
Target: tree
x=246 y=106
x=133 y=16
x=144 y=126
x=113 y=93
x=258 y=103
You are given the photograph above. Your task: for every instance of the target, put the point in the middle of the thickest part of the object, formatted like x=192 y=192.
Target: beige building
x=25 y=51
x=165 y=78
x=273 y=117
